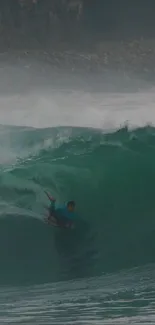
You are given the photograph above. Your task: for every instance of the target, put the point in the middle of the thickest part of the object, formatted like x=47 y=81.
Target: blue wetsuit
x=61 y=213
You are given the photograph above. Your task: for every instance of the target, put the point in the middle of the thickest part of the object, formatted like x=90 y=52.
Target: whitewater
x=80 y=139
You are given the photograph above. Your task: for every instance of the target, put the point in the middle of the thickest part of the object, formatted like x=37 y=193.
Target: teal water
x=103 y=270
x=122 y=298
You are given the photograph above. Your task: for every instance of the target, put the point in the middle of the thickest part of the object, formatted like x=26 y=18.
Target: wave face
x=112 y=179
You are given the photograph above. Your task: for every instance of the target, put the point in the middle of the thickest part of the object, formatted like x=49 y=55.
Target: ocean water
x=97 y=148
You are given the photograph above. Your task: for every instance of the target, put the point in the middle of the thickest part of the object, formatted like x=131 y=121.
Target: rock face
x=40 y=18
x=60 y=8
x=57 y=31
x=74 y=7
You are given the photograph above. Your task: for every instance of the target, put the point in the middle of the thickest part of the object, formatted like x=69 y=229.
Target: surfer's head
x=71 y=206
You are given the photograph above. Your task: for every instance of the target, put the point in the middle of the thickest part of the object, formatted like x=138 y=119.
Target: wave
x=111 y=176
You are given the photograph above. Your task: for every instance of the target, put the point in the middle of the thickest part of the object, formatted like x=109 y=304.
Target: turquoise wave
x=111 y=176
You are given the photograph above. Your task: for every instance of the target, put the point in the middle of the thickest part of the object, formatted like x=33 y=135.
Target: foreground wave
x=111 y=177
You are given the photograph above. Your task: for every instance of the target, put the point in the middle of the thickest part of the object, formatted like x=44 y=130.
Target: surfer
x=62 y=215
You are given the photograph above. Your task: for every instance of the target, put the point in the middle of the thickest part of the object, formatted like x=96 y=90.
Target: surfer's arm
x=51 y=198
